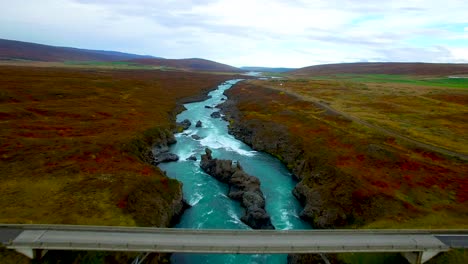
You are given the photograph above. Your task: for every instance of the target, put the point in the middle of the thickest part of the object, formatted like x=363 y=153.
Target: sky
x=271 y=33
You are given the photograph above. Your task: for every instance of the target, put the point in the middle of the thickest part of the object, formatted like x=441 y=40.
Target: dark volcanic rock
x=257 y=218
x=165 y=157
x=184 y=124
x=159 y=152
x=216 y=114
x=222 y=170
x=196 y=137
x=193 y=157
x=208 y=107
x=253 y=199
x=242 y=187
x=199 y=124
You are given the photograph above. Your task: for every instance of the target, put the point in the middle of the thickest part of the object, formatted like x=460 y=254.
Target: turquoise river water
x=211 y=208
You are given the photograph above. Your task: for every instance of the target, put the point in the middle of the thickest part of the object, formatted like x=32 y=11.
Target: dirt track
x=319 y=103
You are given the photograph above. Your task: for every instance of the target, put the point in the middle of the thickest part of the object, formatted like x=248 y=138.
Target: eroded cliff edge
x=155 y=201
x=331 y=197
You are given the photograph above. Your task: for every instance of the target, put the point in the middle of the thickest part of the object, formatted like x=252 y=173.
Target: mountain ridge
x=13 y=50
x=187 y=64
x=267 y=69
x=409 y=68
x=20 y=50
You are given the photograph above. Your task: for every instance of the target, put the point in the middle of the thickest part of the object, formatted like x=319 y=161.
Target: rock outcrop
x=216 y=114
x=199 y=124
x=165 y=157
x=196 y=137
x=242 y=187
x=185 y=124
x=160 y=151
x=193 y=158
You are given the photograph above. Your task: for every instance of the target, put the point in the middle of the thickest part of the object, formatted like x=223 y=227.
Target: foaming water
x=211 y=208
x=226 y=143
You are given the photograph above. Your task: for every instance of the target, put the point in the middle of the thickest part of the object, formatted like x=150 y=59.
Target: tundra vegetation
x=74 y=144
x=369 y=150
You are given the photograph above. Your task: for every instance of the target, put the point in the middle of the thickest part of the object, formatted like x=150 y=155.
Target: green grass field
x=403 y=79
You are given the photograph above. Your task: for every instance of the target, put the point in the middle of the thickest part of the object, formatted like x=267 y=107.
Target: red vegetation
x=409 y=165
x=68 y=128
x=381 y=175
x=380 y=184
x=122 y=203
x=461 y=99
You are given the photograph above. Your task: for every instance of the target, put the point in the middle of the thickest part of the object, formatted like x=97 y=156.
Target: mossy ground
x=72 y=143
x=71 y=140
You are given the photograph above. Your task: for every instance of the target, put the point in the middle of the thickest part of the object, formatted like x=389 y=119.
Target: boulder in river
x=242 y=187
x=196 y=137
x=165 y=157
x=199 y=124
x=216 y=114
x=208 y=107
x=193 y=157
x=184 y=124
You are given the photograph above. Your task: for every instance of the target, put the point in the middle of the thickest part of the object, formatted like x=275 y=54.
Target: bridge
x=417 y=246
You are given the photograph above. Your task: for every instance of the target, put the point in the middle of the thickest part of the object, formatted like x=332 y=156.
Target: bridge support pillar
x=32 y=253
x=140 y=258
x=420 y=257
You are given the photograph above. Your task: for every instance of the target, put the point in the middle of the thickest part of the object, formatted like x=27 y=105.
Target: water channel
x=211 y=208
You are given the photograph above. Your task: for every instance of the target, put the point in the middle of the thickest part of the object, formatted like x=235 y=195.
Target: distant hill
x=384 y=68
x=18 y=50
x=193 y=64
x=267 y=69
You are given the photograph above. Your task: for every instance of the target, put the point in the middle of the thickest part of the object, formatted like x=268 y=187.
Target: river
x=211 y=208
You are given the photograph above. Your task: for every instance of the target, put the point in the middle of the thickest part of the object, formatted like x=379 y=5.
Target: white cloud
x=247 y=32
x=459 y=54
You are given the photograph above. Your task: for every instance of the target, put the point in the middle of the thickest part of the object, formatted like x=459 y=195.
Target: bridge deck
x=224 y=241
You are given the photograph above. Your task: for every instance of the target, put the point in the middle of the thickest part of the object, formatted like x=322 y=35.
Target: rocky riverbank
x=275 y=139
x=331 y=197
x=155 y=201
x=152 y=147
x=242 y=187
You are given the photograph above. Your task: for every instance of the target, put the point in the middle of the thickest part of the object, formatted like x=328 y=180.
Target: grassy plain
x=66 y=135
x=425 y=189
x=435 y=113
x=439 y=81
